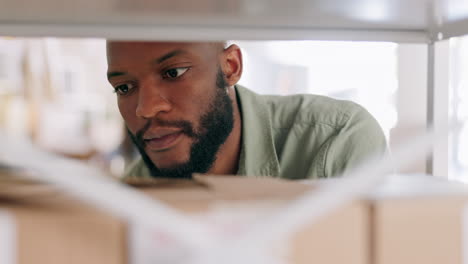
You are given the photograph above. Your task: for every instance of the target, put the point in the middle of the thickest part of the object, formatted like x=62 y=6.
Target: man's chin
x=173 y=170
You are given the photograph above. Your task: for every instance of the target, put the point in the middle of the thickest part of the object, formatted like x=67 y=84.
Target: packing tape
x=8 y=242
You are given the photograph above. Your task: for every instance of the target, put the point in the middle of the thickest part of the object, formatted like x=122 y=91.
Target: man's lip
x=159 y=133
x=163 y=142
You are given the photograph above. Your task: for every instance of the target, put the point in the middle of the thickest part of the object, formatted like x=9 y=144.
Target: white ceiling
x=388 y=20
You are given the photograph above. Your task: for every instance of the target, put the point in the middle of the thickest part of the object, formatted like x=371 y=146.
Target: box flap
x=222 y=187
x=204 y=191
x=253 y=188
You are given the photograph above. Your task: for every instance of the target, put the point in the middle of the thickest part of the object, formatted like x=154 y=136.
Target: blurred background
x=54 y=92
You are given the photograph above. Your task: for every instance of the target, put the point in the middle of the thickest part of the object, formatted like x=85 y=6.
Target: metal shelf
x=367 y=20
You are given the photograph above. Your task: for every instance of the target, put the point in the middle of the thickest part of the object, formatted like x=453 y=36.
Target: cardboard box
x=419 y=219
x=52 y=228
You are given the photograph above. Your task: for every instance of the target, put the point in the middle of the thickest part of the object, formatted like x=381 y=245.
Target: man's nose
x=151 y=101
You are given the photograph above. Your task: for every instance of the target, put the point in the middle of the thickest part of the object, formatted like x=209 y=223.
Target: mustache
x=185 y=127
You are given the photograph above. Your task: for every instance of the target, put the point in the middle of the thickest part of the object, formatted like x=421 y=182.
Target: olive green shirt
x=300 y=136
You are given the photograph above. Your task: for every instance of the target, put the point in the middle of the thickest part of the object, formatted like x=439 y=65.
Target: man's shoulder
x=328 y=136
x=309 y=109
x=286 y=111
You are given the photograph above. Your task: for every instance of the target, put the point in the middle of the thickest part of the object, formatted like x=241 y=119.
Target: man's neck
x=227 y=159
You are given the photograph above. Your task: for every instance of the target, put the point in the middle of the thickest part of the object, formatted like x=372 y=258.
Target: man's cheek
x=127 y=106
x=131 y=121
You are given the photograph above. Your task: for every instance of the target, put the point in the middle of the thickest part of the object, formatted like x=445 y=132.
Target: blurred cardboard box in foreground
x=406 y=219
x=52 y=228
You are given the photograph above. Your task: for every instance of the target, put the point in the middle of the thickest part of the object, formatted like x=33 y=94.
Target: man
x=186 y=114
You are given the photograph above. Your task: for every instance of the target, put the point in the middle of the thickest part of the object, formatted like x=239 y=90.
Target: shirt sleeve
x=359 y=139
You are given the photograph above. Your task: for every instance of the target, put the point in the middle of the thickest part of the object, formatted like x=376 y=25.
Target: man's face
x=173 y=99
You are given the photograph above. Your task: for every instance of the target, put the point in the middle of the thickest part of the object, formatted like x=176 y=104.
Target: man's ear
x=232 y=64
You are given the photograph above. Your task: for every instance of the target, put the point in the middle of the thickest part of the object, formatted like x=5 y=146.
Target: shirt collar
x=258 y=155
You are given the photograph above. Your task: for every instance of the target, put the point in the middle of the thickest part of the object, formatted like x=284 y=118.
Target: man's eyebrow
x=115 y=74
x=168 y=56
x=157 y=61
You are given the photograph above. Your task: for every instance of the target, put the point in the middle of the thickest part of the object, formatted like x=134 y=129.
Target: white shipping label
x=8 y=250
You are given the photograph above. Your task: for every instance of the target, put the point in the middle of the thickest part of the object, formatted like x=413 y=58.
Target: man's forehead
x=124 y=51
x=146 y=44
x=130 y=49
x=117 y=47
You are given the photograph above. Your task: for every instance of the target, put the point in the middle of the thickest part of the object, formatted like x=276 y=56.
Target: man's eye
x=174 y=73
x=123 y=89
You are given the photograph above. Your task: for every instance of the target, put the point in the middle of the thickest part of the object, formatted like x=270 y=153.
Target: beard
x=215 y=126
